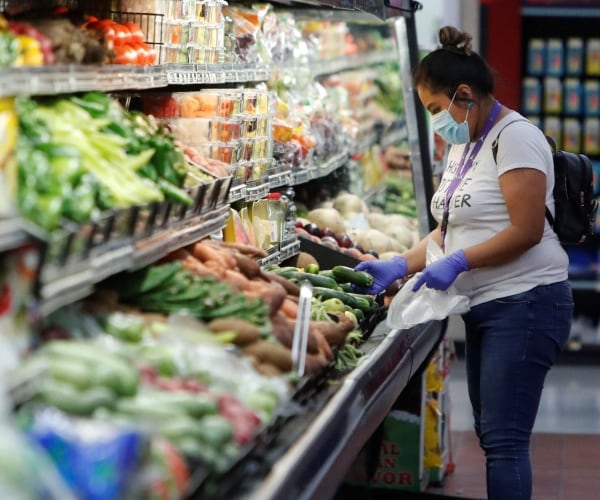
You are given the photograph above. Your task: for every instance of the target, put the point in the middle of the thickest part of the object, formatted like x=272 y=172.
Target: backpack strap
x=495 y=143
x=495 y=154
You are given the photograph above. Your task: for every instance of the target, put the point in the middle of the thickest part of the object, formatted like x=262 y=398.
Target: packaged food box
x=591 y=96
x=552 y=95
x=208 y=104
x=572 y=135
x=591 y=136
x=536 y=56
x=532 y=95
x=574 y=56
x=554 y=57
x=572 y=96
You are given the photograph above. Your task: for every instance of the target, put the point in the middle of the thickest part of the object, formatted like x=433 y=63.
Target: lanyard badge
x=465 y=165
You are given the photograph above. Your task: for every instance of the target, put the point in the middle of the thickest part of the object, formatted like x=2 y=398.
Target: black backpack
x=575 y=206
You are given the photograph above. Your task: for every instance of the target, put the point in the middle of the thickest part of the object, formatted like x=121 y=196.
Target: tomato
x=125 y=54
x=137 y=35
x=122 y=34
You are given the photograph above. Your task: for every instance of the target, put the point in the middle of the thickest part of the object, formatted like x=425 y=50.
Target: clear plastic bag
x=410 y=308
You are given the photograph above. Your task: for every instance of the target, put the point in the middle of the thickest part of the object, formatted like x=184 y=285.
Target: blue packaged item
x=536 y=56
x=572 y=96
x=574 y=56
x=554 y=57
x=532 y=95
x=596 y=165
x=591 y=97
x=97 y=460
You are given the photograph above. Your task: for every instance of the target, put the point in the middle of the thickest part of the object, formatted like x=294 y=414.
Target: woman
x=499 y=251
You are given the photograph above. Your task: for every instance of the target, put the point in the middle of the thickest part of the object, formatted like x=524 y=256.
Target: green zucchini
x=344 y=274
x=347 y=298
x=70 y=400
x=315 y=279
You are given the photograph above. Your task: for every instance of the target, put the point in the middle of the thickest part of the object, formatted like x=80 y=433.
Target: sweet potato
x=271 y=294
x=249 y=250
x=315 y=363
x=247 y=266
x=290 y=288
x=246 y=332
x=321 y=341
x=335 y=332
x=289 y=308
x=236 y=280
x=206 y=252
x=272 y=353
x=268 y=370
x=283 y=330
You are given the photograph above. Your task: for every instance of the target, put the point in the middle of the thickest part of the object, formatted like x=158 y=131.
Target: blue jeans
x=511 y=343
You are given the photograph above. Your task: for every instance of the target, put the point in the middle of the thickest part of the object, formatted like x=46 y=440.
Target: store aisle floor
x=565 y=448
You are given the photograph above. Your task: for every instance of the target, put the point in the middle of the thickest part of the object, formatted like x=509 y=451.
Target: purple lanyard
x=464 y=167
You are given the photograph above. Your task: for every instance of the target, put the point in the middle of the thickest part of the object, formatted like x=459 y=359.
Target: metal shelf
x=48 y=80
x=321 y=67
x=63 y=286
x=12 y=233
x=560 y=11
x=336 y=432
x=195 y=74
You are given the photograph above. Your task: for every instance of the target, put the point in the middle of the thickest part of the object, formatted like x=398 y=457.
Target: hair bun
x=454 y=40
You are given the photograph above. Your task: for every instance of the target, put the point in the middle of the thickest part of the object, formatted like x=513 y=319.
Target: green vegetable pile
x=390 y=94
x=169 y=288
x=79 y=156
x=398 y=196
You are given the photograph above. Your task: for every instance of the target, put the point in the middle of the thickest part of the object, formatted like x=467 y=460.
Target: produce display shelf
x=312 y=461
x=237 y=193
x=257 y=190
x=12 y=233
x=322 y=67
x=59 y=79
x=304 y=175
x=191 y=74
x=284 y=252
x=280 y=179
x=62 y=286
x=366 y=141
x=395 y=136
x=179 y=236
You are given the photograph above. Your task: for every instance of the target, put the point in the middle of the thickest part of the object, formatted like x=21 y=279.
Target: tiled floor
x=565 y=448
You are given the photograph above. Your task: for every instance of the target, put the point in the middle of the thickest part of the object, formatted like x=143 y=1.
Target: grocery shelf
x=304 y=175
x=62 y=286
x=12 y=233
x=192 y=230
x=337 y=430
x=60 y=79
x=284 y=252
x=195 y=74
x=321 y=67
x=558 y=11
x=395 y=136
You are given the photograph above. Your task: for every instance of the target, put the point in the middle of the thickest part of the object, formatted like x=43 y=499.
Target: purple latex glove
x=443 y=272
x=384 y=273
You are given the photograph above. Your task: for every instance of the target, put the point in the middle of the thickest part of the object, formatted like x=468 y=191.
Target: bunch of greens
x=78 y=156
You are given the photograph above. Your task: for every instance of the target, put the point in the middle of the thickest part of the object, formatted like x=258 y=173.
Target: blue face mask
x=447 y=127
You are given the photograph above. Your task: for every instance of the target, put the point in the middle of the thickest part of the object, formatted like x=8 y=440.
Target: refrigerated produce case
x=310 y=445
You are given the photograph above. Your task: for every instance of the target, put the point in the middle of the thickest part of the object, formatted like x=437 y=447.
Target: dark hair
x=445 y=68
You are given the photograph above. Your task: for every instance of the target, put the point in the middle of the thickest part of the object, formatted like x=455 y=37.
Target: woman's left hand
x=443 y=272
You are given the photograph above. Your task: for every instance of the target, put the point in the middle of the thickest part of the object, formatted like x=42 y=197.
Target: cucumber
x=68 y=399
x=347 y=298
x=108 y=369
x=216 y=430
x=194 y=405
x=344 y=274
x=315 y=279
x=176 y=429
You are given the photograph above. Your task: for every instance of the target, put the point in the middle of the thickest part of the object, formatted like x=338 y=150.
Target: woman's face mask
x=448 y=128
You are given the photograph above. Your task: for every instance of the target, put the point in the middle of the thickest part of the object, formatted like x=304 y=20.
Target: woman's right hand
x=384 y=273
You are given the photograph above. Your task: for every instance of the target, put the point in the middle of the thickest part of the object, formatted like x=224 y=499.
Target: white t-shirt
x=478 y=212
